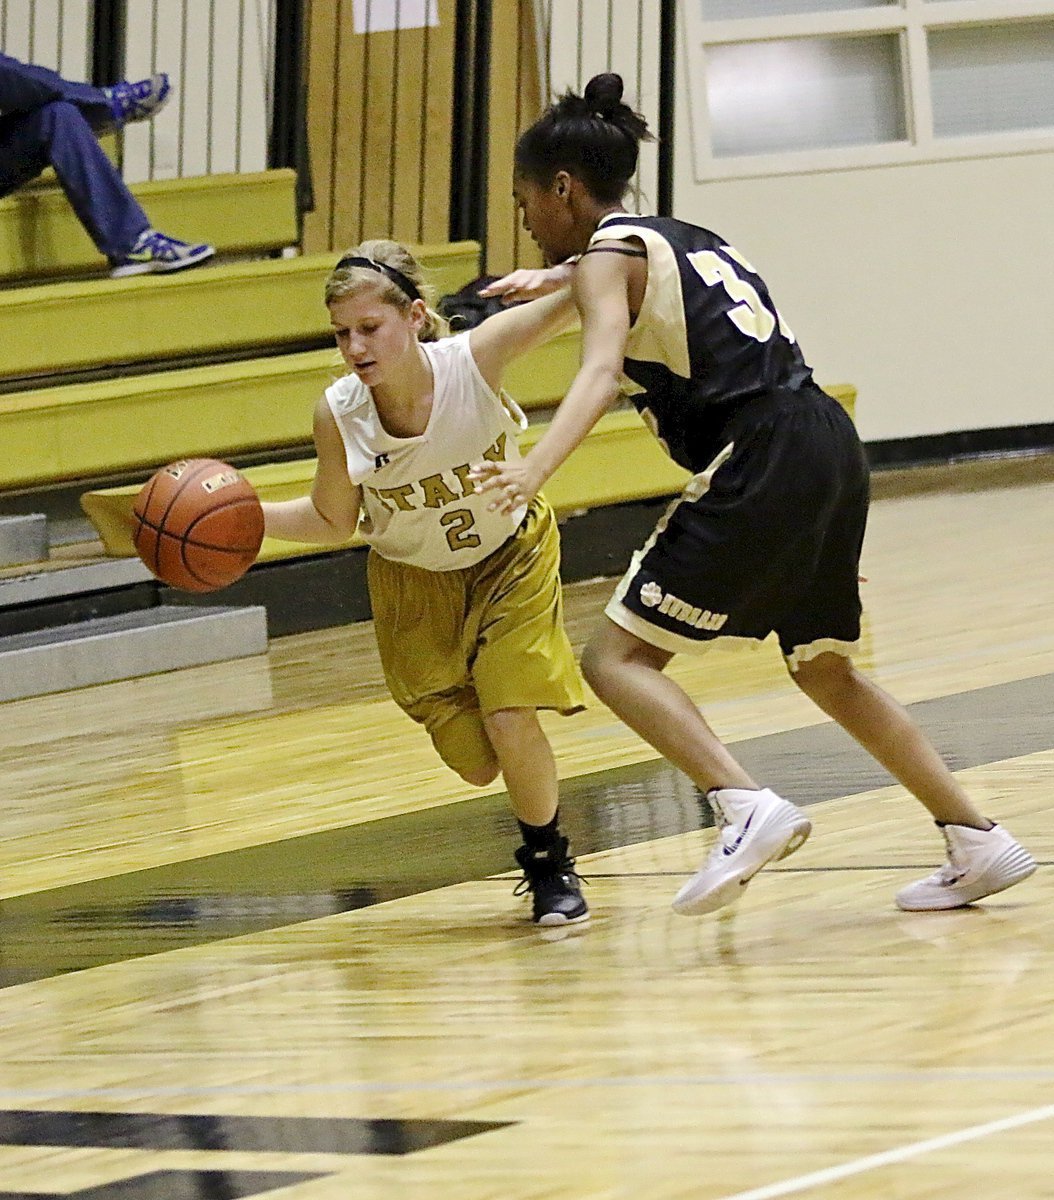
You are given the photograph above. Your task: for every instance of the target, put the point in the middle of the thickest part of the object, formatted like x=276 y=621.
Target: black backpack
x=466 y=308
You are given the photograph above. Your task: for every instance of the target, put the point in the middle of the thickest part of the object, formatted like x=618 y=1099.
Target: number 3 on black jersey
x=749 y=314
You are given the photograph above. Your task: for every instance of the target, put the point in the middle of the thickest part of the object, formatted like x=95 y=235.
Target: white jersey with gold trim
x=419 y=505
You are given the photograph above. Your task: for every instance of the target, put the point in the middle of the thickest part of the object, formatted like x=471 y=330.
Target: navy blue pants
x=48 y=121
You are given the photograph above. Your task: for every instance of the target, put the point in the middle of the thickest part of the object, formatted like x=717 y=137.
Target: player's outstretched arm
x=529 y=283
x=601 y=293
x=331 y=513
x=504 y=336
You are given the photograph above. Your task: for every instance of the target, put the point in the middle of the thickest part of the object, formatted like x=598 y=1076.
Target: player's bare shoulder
x=620 y=263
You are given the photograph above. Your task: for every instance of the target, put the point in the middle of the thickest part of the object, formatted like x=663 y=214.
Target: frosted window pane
x=992 y=79
x=804 y=94
x=722 y=10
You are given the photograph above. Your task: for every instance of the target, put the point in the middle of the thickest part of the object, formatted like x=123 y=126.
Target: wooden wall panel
x=437 y=109
x=321 y=121
x=354 y=97
x=379 y=117
x=515 y=102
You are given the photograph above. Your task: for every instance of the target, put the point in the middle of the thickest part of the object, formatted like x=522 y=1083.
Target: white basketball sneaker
x=755 y=828
x=980 y=863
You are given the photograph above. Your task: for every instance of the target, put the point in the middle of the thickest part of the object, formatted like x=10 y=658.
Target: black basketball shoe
x=555 y=887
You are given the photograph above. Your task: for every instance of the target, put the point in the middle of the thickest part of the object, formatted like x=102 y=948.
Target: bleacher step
x=36 y=587
x=126 y=646
x=23 y=539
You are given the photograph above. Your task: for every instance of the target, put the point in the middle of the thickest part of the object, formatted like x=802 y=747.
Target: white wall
x=927 y=281
x=50 y=33
x=219 y=56
x=928 y=286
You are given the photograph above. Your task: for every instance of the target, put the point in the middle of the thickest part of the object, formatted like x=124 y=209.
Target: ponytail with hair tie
x=595 y=137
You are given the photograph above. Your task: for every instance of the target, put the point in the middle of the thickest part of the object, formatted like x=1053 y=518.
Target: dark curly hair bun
x=594 y=137
x=603 y=94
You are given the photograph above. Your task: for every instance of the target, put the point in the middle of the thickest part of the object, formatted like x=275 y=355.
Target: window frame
x=910 y=21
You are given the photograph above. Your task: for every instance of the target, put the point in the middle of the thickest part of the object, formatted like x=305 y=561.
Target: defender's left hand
x=513 y=483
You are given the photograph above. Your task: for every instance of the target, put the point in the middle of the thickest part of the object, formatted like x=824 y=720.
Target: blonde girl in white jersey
x=466 y=601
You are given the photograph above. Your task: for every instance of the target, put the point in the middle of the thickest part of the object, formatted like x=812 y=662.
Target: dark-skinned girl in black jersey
x=766 y=536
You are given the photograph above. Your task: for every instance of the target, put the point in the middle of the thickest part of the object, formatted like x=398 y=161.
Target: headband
x=403 y=282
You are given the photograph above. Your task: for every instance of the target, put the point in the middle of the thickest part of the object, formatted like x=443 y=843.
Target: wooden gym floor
x=255 y=940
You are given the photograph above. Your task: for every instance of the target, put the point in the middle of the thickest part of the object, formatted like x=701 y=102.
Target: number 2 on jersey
x=749 y=315
x=457 y=525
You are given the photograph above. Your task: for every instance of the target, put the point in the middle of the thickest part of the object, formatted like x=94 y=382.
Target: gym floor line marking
x=890 y=1157
x=769 y=870
x=153 y=910
x=934 y=1078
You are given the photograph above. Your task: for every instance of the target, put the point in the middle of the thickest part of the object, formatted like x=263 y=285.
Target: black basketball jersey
x=707 y=338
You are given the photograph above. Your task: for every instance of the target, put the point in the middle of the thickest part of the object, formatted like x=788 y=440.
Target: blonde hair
x=346 y=280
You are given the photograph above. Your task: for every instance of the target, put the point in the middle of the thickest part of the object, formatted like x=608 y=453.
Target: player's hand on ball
x=512 y=483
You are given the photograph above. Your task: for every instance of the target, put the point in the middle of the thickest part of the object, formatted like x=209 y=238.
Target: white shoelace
x=952 y=871
x=727 y=833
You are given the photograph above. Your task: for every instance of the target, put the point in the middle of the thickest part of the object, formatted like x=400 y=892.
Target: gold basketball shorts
x=456 y=645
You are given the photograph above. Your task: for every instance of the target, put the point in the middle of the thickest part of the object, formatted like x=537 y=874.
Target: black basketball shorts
x=766 y=539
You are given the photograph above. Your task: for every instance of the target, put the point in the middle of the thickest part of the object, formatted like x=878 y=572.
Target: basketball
x=198 y=524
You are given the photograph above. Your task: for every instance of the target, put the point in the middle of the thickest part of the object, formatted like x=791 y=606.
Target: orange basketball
x=198 y=524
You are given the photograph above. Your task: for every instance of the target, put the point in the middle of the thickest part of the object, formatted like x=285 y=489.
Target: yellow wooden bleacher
x=595 y=475
x=106 y=427
x=223 y=309
x=81 y=431
x=237 y=213
x=258 y=310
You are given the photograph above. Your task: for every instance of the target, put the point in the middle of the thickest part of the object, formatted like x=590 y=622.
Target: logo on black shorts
x=652 y=596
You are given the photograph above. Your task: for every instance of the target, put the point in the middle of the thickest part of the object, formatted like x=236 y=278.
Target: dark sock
x=540 y=837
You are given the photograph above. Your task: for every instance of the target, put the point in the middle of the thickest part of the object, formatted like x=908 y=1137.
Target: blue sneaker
x=155 y=251
x=137 y=101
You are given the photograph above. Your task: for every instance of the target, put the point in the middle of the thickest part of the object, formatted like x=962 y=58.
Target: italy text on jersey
x=438 y=490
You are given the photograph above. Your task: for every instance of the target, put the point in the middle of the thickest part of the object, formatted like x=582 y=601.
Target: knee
x=463 y=744
x=605 y=663
x=597 y=667
x=480 y=774
x=510 y=726
x=59 y=114
x=825 y=677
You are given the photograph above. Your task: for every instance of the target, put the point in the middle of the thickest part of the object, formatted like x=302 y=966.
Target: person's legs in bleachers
x=59 y=135
x=25 y=87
